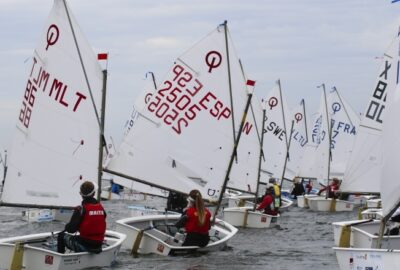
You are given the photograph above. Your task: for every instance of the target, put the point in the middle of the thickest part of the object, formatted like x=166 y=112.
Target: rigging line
x=83 y=68
x=341 y=101
x=305 y=118
x=230 y=80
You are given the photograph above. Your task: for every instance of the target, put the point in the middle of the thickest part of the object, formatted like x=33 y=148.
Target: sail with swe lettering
x=183 y=138
x=55 y=146
x=275 y=133
x=364 y=169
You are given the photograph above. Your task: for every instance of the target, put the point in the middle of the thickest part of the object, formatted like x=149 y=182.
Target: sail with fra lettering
x=184 y=136
x=363 y=172
x=344 y=123
x=55 y=146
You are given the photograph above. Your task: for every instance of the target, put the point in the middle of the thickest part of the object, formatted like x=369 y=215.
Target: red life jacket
x=93 y=225
x=192 y=224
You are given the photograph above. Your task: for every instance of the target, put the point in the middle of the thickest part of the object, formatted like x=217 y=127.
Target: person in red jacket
x=196 y=221
x=332 y=188
x=267 y=203
x=89 y=219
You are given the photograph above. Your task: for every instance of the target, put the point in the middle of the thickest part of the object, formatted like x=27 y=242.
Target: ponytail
x=199 y=205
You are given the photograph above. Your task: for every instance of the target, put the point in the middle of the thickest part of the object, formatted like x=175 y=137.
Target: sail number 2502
x=178 y=101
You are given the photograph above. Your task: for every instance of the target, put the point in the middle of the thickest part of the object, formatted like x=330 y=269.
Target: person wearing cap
x=267 y=204
x=89 y=219
x=332 y=188
x=196 y=221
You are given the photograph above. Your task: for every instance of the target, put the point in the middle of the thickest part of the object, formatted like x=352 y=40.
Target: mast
x=305 y=118
x=225 y=24
x=286 y=140
x=260 y=157
x=4 y=169
x=329 y=135
x=101 y=134
x=235 y=146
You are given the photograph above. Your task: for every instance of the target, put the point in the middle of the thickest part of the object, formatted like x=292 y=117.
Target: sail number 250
x=174 y=102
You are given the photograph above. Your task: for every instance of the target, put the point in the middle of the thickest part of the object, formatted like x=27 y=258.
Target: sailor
x=298 y=188
x=332 y=188
x=196 y=221
x=89 y=219
x=176 y=202
x=267 y=204
x=277 y=192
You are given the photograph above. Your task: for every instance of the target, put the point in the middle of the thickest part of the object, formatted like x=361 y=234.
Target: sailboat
x=379 y=251
x=185 y=138
x=337 y=129
x=134 y=190
x=363 y=173
x=57 y=143
x=273 y=144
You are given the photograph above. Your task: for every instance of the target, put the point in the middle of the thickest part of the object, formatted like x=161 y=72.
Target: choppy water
x=303 y=242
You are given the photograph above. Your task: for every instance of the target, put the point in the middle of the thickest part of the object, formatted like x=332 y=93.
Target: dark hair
x=87 y=189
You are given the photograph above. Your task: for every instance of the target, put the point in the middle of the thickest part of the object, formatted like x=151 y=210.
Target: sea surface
x=303 y=241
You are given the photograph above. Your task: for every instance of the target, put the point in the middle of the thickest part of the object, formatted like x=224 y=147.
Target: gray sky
x=302 y=42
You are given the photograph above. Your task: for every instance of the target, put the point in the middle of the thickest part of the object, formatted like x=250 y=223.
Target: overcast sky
x=302 y=42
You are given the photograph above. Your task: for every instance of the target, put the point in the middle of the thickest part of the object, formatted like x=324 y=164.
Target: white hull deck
x=44 y=255
x=325 y=205
x=367 y=259
x=338 y=230
x=159 y=233
x=247 y=218
x=366 y=236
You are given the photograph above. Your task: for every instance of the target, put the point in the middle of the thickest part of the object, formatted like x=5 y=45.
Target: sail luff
x=101 y=134
x=260 y=158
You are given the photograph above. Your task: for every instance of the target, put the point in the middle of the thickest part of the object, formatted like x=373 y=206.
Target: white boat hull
x=302 y=201
x=372 y=213
x=248 y=201
x=37 y=256
x=245 y=217
x=338 y=227
x=367 y=259
x=160 y=239
x=374 y=203
x=366 y=236
x=324 y=205
x=38 y=215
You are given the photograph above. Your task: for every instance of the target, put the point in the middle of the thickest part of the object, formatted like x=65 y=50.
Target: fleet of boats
x=200 y=128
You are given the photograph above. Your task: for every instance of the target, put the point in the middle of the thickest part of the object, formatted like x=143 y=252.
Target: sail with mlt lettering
x=364 y=170
x=183 y=138
x=298 y=141
x=55 y=146
x=276 y=129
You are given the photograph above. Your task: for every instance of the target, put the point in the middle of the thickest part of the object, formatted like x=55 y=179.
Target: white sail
x=315 y=163
x=298 y=141
x=363 y=173
x=184 y=138
x=390 y=184
x=275 y=138
x=344 y=122
x=139 y=104
x=55 y=146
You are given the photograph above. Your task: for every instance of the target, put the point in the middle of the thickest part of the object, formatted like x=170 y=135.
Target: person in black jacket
x=298 y=188
x=89 y=219
x=176 y=202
